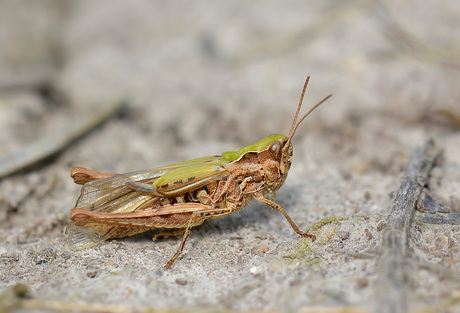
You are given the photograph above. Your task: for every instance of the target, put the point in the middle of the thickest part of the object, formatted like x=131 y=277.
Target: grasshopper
x=174 y=198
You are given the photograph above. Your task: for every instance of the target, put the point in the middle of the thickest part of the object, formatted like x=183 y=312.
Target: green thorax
x=231 y=156
x=202 y=169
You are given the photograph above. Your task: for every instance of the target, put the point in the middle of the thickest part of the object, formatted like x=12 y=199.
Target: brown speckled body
x=179 y=196
x=253 y=174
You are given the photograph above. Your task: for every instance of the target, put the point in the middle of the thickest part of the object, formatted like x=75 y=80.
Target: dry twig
x=391 y=289
x=54 y=141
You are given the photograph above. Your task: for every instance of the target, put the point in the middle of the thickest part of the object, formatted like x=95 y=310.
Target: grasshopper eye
x=274 y=151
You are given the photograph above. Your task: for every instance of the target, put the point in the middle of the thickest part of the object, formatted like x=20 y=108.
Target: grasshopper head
x=276 y=158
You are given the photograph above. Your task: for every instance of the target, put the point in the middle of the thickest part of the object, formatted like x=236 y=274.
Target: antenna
x=295 y=125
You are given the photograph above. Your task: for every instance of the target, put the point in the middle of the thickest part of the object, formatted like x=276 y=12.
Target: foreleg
x=280 y=208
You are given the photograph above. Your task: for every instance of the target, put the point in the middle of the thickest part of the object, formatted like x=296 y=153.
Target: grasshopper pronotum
x=177 y=197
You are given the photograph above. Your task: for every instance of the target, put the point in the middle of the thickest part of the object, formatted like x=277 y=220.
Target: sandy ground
x=210 y=77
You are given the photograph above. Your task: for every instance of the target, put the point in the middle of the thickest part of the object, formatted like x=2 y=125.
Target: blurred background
x=216 y=72
x=167 y=81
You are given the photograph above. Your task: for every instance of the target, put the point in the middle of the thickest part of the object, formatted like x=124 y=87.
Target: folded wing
x=114 y=195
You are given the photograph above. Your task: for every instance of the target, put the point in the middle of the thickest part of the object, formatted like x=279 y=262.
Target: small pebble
x=368 y=234
x=344 y=235
x=362 y=282
x=181 y=281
